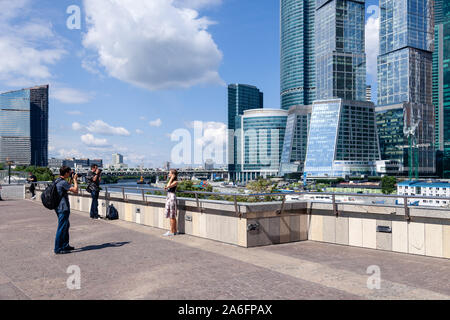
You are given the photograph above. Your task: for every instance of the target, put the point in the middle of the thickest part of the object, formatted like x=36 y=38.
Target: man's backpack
x=50 y=197
x=112 y=213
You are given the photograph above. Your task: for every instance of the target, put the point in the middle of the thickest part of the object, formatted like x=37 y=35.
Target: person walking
x=93 y=179
x=62 y=245
x=32 y=179
x=171 y=202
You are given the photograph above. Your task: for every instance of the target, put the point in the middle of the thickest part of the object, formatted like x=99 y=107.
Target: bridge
x=147 y=173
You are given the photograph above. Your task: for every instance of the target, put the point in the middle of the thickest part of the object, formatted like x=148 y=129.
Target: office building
x=295 y=140
x=339 y=50
x=24 y=126
x=426 y=189
x=261 y=143
x=405 y=82
x=117 y=159
x=241 y=97
x=342 y=139
x=441 y=86
x=342 y=136
x=74 y=163
x=297 y=60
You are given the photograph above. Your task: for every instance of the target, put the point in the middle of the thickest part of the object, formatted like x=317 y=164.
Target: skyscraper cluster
x=332 y=127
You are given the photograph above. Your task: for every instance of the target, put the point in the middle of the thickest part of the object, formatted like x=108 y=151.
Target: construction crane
x=410 y=132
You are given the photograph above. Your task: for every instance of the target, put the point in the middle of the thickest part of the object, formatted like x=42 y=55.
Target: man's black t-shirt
x=93 y=185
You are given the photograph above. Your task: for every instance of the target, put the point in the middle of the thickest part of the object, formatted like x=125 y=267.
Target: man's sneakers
x=67 y=250
x=168 y=234
x=32 y=198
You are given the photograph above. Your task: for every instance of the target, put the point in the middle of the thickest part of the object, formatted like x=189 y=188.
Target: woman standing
x=171 y=202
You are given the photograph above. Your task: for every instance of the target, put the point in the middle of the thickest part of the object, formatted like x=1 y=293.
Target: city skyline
x=88 y=97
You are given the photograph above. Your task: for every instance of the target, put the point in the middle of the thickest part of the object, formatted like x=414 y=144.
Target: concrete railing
x=399 y=228
x=12 y=191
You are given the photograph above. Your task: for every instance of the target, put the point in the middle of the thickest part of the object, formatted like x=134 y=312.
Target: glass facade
x=441 y=84
x=262 y=139
x=297 y=60
x=405 y=78
x=24 y=126
x=342 y=139
x=241 y=97
x=295 y=140
x=392 y=120
x=340 y=45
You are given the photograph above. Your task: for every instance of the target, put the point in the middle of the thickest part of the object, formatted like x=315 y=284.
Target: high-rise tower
x=297 y=53
x=24 y=126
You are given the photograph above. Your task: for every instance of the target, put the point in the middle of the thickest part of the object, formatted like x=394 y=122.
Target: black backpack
x=112 y=213
x=50 y=197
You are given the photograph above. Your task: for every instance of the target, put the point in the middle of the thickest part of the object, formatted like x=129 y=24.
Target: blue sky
x=137 y=70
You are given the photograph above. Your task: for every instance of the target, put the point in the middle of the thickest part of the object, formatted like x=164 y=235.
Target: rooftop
x=122 y=260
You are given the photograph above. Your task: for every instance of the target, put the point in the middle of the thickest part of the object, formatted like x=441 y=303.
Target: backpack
x=50 y=197
x=112 y=213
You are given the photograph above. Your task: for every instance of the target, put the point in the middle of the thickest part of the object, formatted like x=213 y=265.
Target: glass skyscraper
x=24 y=126
x=342 y=136
x=297 y=63
x=405 y=77
x=441 y=84
x=340 y=45
x=261 y=144
x=241 y=97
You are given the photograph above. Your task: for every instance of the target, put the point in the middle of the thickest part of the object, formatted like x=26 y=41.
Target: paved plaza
x=122 y=260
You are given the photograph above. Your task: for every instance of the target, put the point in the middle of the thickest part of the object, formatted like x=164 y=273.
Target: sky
x=138 y=76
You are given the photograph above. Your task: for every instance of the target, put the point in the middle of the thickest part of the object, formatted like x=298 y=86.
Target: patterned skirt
x=171 y=206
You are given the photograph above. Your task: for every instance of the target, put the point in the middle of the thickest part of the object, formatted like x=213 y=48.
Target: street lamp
x=9 y=163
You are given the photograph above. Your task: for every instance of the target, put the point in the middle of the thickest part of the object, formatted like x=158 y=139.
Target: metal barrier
x=281 y=197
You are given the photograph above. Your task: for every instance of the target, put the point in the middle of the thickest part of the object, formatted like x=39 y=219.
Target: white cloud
x=139 y=131
x=212 y=132
x=155 y=123
x=70 y=96
x=196 y=4
x=372 y=40
x=91 y=141
x=74 y=113
x=101 y=127
x=28 y=47
x=152 y=44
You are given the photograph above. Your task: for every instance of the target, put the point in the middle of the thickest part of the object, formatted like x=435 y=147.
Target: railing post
x=123 y=194
x=143 y=195
x=282 y=205
x=405 y=205
x=335 y=211
x=236 y=207
x=198 y=202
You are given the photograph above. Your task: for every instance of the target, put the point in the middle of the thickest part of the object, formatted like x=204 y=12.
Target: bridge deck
x=120 y=260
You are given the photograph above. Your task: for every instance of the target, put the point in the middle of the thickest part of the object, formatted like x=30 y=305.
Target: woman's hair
x=175 y=174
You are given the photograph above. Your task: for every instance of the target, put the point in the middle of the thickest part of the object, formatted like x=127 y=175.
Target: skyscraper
x=441 y=84
x=342 y=133
x=261 y=142
x=297 y=61
x=404 y=81
x=340 y=45
x=24 y=126
x=241 y=97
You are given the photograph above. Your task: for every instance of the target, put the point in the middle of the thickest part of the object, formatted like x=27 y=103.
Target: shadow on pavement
x=101 y=246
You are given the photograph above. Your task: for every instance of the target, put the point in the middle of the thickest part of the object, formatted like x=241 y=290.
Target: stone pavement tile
x=412 y=270
x=10 y=292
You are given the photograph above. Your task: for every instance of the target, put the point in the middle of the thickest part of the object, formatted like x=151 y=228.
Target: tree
x=388 y=184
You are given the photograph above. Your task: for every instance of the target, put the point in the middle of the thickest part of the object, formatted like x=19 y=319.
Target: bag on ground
x=112 y=213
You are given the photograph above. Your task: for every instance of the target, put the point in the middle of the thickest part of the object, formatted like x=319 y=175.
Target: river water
x=132 y=184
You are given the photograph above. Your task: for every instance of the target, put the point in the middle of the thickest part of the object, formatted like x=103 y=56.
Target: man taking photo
x=93 y=179
x=62 y=245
